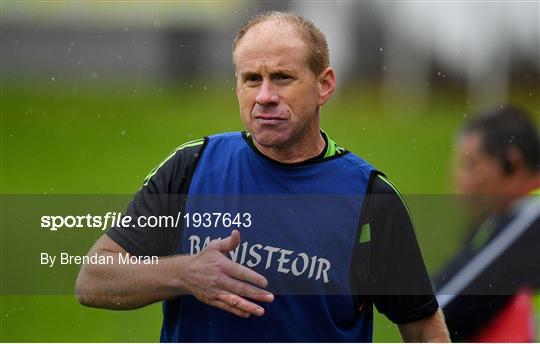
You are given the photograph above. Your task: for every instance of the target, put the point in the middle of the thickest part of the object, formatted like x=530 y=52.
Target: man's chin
x=270 y=140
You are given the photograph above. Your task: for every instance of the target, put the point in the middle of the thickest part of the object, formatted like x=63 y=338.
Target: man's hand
x=217 y=281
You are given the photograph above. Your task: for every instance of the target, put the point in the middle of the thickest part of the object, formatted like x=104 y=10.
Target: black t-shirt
x=387 y=269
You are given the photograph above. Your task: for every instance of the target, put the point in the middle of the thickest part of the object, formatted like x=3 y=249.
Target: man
x=312 y=233
x=486 y=290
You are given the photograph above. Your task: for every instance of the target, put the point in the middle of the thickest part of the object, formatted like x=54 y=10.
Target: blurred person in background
x=487 y=290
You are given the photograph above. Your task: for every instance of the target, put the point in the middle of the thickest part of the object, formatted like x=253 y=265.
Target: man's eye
x=253 y=78
x=282 y=77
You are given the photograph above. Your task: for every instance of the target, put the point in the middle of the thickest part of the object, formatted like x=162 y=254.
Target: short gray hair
x=318 y=58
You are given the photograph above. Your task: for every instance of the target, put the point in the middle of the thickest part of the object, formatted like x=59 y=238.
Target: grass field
x=60 y=139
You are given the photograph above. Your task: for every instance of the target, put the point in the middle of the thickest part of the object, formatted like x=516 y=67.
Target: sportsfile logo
x=56 y=222
x=110 y=219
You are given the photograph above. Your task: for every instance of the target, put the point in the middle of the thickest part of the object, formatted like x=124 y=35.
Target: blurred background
x=94 y=94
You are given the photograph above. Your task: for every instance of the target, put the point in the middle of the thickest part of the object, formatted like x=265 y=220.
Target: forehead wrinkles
x=266 y=64
x=270 y=43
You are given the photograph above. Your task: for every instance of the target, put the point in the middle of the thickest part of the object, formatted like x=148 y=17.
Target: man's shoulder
x=182 y=157
x=359 y=163
x=381 y=185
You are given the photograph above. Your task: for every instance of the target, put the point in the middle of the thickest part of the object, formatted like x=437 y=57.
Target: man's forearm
x=428 y=330
x=209 y=276
x=129 y=286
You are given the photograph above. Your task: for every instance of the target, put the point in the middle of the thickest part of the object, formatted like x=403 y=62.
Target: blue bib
x=298 y=226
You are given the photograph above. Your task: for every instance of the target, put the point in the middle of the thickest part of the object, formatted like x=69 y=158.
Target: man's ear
x=327 y=85
x=513 y=160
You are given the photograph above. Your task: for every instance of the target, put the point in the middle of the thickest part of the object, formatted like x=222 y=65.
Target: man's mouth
x=267 y=119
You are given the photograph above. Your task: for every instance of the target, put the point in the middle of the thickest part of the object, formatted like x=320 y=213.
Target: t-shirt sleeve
x=162 y=197
x=388 y=268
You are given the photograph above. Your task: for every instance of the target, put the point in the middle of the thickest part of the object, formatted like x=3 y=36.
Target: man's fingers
x=235 y=270
x=227 y=244
x=240 y=303
x=243 y=273
x=246 y=290
x=230 y=309
x=234 y=282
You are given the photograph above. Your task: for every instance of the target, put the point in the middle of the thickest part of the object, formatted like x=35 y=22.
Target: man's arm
x=392 y=268
x=430 y=329
x=126 y=286
x=210 y=276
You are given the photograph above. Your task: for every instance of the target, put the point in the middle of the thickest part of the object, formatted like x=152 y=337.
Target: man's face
x=476 y=172
x=478 y=175
x=277 y=92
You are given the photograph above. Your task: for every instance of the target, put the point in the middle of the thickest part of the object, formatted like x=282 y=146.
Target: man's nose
x=267 y=94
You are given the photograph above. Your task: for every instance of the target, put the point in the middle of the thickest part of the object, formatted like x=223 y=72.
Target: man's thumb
x=229 y=243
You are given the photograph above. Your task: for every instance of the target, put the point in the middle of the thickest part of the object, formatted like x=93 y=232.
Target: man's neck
x=520 y=186
x=526 y=183
x=307 y=148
